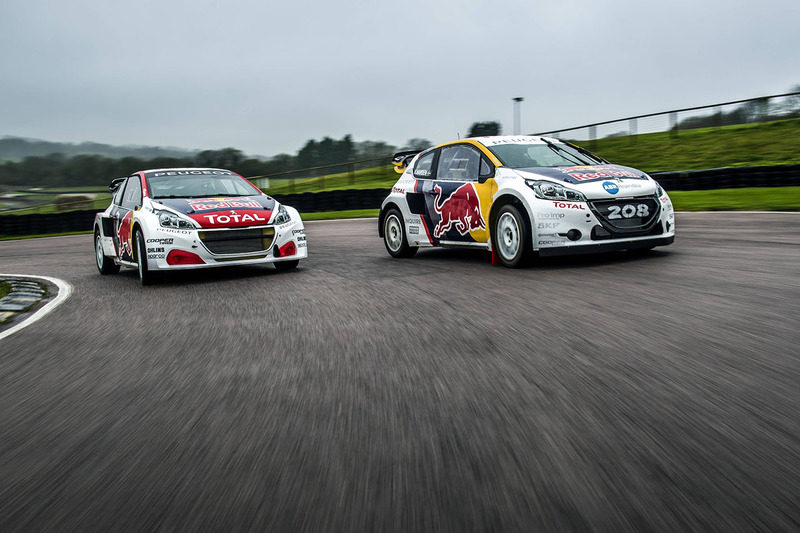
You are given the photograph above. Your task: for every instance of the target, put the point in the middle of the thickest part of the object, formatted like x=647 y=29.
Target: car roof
x=512 y=139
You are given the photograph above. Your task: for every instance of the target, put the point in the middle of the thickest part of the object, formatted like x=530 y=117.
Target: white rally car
x=187 y=218
x=521 y=196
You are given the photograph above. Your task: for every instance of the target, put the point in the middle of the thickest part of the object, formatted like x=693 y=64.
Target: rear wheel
x=104 y=263
x=287 y=265
x=511 y=237
x=394 y=235
x=146 y=276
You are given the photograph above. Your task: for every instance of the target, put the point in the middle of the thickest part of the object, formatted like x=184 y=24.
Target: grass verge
x=5 y=288
x=748 y=199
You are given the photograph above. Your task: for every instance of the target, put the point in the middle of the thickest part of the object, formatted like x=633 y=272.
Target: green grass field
x=5 y=288
x=768 y=143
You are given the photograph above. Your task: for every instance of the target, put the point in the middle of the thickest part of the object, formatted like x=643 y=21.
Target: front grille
x=627 y=216
x=237 y=241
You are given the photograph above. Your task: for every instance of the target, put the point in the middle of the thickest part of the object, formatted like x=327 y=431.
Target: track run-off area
x=656 y=391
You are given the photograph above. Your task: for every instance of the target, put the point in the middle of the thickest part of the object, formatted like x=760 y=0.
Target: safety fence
x=343 y=200
x=748 y=111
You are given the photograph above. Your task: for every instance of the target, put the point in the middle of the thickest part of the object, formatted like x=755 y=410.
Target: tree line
x=60 y=170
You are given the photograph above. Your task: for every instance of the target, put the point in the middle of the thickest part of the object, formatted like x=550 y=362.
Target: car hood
x=598 y=181
x=586 y=174
x=223 y=211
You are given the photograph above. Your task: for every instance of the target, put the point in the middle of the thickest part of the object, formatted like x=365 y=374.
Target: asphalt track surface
x=654 y=392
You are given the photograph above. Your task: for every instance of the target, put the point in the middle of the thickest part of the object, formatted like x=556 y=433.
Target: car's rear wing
x=115 y=183
x=400 y=160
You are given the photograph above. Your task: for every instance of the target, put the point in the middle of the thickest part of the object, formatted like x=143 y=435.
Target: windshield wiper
x=556 y=148
x=587 y=153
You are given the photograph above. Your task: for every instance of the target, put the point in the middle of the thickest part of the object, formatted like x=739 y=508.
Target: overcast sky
x=264 y=77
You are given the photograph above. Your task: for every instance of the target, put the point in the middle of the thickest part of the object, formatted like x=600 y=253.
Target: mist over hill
x=18 y=148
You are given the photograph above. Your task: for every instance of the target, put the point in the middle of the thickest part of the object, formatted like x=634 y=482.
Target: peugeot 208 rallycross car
x=187 y=218
x=521 y=196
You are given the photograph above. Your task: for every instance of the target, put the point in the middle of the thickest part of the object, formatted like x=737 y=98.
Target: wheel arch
x=136 y=226
x=382 y=215
x=503 y=200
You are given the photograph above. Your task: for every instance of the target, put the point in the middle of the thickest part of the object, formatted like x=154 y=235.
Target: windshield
x=202 y=186
x=547 y=154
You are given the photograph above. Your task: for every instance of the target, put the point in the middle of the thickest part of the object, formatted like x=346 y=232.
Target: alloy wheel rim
x=508 y=236
x=394 y=233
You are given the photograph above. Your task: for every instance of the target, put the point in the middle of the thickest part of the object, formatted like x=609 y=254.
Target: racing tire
x=511 y=237
x=146 y=276
x=286 y=265
x=104 y=263
x=394 y=236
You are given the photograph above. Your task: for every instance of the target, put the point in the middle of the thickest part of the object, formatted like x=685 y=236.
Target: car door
x=129 y=200
x=458 y=195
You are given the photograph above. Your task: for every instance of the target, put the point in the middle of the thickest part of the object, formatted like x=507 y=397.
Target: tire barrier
x=55 y=223
x=729 y=178
x=343 y=200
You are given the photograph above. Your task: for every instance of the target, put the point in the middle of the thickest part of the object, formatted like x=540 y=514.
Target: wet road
x=361 y=393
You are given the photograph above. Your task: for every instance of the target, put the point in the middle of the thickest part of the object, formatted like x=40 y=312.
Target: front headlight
x=547 y=190
x=282 y=217
x=171 y=220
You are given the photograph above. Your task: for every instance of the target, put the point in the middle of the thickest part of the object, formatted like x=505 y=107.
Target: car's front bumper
x=286 y=242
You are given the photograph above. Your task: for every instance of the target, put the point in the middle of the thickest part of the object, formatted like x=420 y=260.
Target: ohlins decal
x=461 y=210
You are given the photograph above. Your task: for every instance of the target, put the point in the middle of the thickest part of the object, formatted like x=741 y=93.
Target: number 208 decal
x=628 y=211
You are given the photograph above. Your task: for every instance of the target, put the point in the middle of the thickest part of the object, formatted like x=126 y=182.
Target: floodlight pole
x=517 y=128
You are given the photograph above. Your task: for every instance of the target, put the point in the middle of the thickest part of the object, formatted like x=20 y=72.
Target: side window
x=486 y=168
x=422 y=169
x=132 y=197
x=458 y=162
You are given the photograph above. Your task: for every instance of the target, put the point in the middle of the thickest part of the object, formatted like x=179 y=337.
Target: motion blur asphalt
x=619 y=392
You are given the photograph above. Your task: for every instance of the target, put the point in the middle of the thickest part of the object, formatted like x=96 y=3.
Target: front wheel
x=146 y=276
x=511 y=237
x=105 y=264
x=394 y=235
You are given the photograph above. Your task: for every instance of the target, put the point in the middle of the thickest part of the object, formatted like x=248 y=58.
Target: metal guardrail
x=319 y=173
x=748 y=111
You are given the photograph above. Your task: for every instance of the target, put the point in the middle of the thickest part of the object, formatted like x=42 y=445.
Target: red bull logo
x=124 y=236
x=461 y=210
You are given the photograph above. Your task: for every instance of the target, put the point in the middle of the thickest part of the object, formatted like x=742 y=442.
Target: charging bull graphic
x=461 y=210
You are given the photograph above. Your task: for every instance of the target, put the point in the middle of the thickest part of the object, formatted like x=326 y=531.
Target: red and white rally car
x=187 y=218
x=521 y=196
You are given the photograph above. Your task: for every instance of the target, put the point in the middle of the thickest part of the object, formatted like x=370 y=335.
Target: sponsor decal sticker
x=205 y=204
x=547 y=225
x=567 y=205
x=550 y=216
x=160 y=241
x=413 y=230
x=232 y=219
x=461 y=211
x=194 y=173
x=611 y=187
